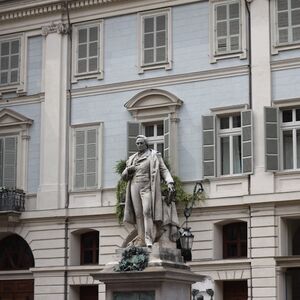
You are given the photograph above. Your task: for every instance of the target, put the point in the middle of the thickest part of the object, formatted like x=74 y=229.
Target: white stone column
x=261 y=181
x=52 y=190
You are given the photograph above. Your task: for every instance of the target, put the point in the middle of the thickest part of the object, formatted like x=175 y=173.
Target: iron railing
x=12 y=200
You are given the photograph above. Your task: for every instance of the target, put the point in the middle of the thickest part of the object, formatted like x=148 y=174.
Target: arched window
x=235 y=240
x=15 y=254
x=90 y=248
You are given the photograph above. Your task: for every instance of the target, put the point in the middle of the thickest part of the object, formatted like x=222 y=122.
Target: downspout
x=68 y=124
x=248 y=2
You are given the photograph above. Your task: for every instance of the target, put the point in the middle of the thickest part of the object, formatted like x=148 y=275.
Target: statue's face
x=141 y=145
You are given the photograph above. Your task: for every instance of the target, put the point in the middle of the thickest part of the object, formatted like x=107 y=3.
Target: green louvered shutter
x=247 y=141
x=133 y=130
x=208 y=146
x=271 y=139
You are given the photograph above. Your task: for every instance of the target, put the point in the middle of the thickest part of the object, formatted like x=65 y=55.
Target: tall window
x=230 y=144
x=227 y=27
x=155 y=134
x=288 y=21
x=85 y=158
x=290 y=130
x=88 y=50
x=9 y=61
x=235 y=240
x=8 y=161
x=90 y=248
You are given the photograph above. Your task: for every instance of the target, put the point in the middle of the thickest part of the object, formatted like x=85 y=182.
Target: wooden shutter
x=161 y=38
x=79 y=163
x=133 y=130
x=91 y=158
x=10 y=162
x=148 y=39
x=167 y=137
x=221 y=17
x=82 y=50
x=283 y=21
x=271 y=139
x=247 y=141
x=234 y=26
x=93 y=48
x=208 y=146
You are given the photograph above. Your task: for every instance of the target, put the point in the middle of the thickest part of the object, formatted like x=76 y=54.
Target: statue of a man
x=144 y=205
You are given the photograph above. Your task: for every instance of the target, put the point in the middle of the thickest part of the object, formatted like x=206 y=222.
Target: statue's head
x=141 y=143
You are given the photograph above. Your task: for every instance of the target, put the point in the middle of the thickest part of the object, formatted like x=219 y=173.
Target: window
x=155 y=134
x=227 y=144
x=292 y=276
x=228 y=29
x=86 y=153
x=90 y=248
x=235 y=240
x=235 y=290
x=230 y=144
x=88 y=49
x=282 y=127
x=8 y=161
x=10 y=61
x=290 y=134
x=155 y=40
x=288 y=21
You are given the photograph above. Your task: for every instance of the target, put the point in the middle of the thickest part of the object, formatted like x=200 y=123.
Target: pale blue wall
x=286 y=84
x=198 y=98
x=34 y=65
x=32 y=111
x=190 y=46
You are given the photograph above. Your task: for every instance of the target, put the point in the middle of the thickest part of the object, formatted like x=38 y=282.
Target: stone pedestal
x=165 y=278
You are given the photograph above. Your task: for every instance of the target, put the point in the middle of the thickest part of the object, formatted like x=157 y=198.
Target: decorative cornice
x=55 y=28
x=291 y=63
x=33 y=8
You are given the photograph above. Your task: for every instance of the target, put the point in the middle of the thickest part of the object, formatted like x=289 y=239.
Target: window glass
x=287 y=116
x=237 y=156
x=90 y=247
x=224 y=122
x=225 y=156
x=287 y=149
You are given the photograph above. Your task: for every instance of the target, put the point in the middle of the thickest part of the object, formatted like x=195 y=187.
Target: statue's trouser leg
x=138 y=209
x=147 y=211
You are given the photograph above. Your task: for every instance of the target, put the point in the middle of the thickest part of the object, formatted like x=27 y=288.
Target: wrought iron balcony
x=12 y=200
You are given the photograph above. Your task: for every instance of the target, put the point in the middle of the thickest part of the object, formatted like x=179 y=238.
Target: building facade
x=213 y=84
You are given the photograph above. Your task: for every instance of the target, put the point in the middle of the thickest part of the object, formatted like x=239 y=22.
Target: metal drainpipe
x=68 y=123
x=247 y=3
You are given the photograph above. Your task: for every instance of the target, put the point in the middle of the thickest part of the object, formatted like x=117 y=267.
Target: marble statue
x=145 y=207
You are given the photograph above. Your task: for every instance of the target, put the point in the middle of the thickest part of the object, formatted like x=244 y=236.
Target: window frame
x=95 y=247
x=167 y=64
x=238 y=242
x=228 y=132
x=18 y=87
x=293 y=126
x=99 y=151
x=241 y=53
x=276 y=46
x=155 y=139
x=99 y=73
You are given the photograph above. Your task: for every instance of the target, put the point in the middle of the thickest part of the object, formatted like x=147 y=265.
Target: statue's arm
x=128 y=172
x=164 y=172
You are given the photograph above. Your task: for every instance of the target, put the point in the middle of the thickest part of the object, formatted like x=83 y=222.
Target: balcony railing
x=12 y=200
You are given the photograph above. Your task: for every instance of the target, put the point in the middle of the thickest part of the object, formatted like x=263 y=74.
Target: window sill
x=285 y=47
x=12 y=88
x=165 y=65
x=288 y=172
x=94 y=75
x=228 y=177
x=88 y=191
x=239 y=54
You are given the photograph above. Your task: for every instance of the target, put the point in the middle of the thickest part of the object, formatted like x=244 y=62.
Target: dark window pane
x=14 y=47
x=225 y=156
x=297 y=114
x=82 y=35
x=160 y=129
x=149 y=24
x=149 y=130
x=287 y=149
x=160 y=23
x=287 y=115
x=236 y=121
x=93 y=34
x=4 y=48
x=90 y=247
x=224 y=122
x=160 y=148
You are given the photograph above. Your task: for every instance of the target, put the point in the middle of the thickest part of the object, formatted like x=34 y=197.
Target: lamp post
x=186 y=236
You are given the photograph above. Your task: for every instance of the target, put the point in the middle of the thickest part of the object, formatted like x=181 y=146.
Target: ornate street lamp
x=186 y=236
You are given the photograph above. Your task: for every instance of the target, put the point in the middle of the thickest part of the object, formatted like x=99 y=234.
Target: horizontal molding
x=23 y=9
x=291 y=63
x=38 y=98
x=161 y=81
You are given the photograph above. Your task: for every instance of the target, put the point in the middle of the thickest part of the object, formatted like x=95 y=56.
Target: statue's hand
x=171 y=187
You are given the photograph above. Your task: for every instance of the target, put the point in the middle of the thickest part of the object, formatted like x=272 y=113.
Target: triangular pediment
x=9 y=117
x=152 y=98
